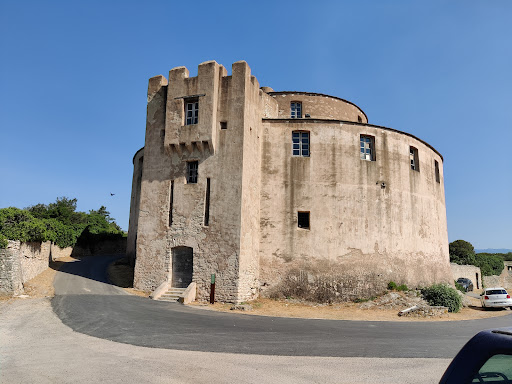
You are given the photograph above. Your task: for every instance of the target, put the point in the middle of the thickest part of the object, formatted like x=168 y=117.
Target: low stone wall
x=35 y=258
x=10 y=270
x=503 y=280
x=469 y=272
x=20 y=262
x=492 y=281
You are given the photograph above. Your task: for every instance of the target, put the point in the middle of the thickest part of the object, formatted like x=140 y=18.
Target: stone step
x=172 y=294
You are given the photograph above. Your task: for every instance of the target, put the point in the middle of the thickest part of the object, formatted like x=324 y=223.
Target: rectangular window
x=191 y=111
x=296 y=110
x=300 y=143
x=207 y=203
x=367 y=147
x=223 y=125
x=436 y=166
x=303 y=220
x=192 y=167
x=413 y=155
x=171 y=199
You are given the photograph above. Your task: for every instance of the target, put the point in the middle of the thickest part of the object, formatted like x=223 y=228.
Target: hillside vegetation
x=59 y=223
x=462 y=252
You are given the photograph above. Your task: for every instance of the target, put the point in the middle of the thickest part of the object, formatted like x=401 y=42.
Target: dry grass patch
x=342 y=311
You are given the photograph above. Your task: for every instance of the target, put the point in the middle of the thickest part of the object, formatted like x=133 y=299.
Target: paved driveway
x=87 y=304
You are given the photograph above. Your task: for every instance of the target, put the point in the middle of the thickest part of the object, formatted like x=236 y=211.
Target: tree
x=462 y=252
x=489 y=263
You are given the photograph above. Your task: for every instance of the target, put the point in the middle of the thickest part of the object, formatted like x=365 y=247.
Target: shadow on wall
x=97 y=244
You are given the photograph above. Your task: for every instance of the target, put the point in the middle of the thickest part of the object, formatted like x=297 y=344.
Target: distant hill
x=492 y=250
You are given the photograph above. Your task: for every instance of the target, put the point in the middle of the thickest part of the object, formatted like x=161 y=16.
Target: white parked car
x=496 y=298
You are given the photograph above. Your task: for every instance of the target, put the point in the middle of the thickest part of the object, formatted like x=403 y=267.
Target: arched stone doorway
x=182 y=266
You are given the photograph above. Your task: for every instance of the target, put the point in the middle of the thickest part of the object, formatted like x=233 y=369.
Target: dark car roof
x=476 y=352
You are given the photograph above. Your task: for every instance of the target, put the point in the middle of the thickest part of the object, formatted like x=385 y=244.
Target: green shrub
x=489 y=263
x=59 y=223
x=3 y=241
x=443 y=295
x=392 y=286
x=402 y=288
x=459 y=287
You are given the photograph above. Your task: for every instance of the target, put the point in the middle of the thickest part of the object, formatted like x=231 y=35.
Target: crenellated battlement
x=196 y=106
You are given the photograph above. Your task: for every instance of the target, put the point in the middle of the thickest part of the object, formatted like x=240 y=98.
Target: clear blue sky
x=73 y=82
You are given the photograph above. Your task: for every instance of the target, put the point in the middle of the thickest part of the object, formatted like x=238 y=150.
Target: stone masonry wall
x=503 y=280
x=34 y=258
x=10 y=270
x=469 y=272
x=21 y=262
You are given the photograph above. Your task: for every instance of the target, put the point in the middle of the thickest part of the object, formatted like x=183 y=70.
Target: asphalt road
x=85 y=302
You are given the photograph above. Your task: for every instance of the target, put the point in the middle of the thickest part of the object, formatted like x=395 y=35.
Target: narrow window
x=191 y=111
x=367 y=147
x=207 y=203
x=171 y=199
x=359 y=119
x=192 y=167
x=223 y=125
x=413 y=155
x=303 y=220
x=436 y=166
x=296 y=110
x=300 y=143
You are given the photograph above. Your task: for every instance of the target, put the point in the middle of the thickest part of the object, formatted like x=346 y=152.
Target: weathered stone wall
x=470 y=272
x=21 y=262
x=503 y=280
x=35 y=258
x=370 y=221
x=131 y=243
x=11 y=278
x=318 y=106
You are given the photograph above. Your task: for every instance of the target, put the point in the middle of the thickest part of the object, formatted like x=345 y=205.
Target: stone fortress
x=279 y=193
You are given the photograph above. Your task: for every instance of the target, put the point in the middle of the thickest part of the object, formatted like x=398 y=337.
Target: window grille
x=192 y=167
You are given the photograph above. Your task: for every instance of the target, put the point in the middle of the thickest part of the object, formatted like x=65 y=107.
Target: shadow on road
x=96 y=270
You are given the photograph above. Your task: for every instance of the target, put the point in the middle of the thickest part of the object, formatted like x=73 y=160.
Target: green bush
x=443 y=295
x=3 y=241
x=459 y=287
x=489 y=263
x=59 y=223
x=392 y=286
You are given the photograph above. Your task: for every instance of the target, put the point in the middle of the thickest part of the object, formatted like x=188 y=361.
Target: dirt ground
x=121 y=274
x=346 y=311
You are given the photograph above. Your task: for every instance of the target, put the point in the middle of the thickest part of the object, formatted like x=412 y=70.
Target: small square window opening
x=303 y=220
x=223 y=125
x=296 y=110
x=192 y=168
x=300 y=143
